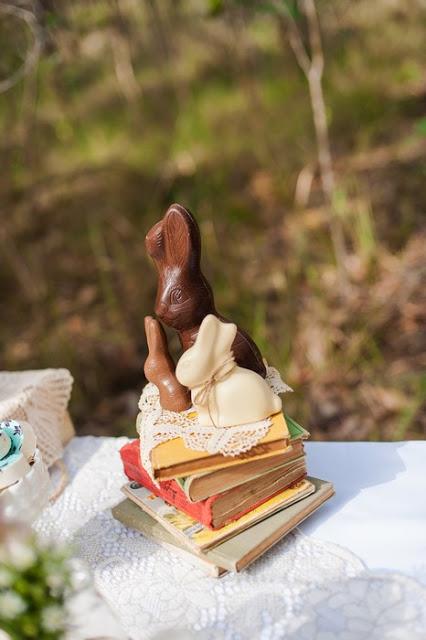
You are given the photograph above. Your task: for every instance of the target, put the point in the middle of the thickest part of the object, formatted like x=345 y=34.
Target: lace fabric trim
x=301 y=589
x=41 y=398
x=156 y=425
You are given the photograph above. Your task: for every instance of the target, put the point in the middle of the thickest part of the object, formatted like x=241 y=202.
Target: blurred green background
x=125 y=106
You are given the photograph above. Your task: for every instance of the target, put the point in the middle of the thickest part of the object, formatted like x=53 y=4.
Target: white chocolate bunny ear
x=208 y=331
x=225 y=336
x=196 y=364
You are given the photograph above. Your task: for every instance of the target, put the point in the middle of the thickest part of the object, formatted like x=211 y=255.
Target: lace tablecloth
x=303 y=588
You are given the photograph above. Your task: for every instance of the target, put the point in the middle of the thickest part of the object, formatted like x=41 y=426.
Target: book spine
x=168 y=490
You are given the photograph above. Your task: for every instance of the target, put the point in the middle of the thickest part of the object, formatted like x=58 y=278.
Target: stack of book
x=223 y=511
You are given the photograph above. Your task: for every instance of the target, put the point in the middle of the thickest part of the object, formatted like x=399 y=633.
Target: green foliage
x=216 y=7
x=279 y=7
x=421 y=126
x=34 y=581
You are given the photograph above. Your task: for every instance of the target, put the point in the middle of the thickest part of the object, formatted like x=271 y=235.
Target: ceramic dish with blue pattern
x=11 y=441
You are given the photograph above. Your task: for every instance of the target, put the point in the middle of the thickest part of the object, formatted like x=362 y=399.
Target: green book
x=295 y=430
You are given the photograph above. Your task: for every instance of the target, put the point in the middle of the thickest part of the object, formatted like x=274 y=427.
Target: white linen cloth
x=379 y=510
x=303 y=589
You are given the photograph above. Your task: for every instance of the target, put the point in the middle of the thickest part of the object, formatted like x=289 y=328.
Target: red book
x=213 y=512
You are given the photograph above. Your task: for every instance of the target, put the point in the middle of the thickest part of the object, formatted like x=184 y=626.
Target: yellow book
x=234 y=552
x=172 y=459
x=194 y=533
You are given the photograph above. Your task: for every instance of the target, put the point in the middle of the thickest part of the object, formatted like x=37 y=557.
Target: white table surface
x=378 y=516
x=379 y=510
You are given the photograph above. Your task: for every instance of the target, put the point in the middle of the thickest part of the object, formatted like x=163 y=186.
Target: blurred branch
x=303 y=187
x=314 y=34
x=123 y=66
x=244 y=59
x=121 y=50
x=312 y=65
x=297 y=45
x=163 y=37
x=33 y=52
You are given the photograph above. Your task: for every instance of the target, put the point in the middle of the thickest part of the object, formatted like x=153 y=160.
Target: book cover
x=194 y=533
x=239 y=551
x=173 y=459
x=217 y=510
x=295 y=430
x=201 y=485
x=128 y=513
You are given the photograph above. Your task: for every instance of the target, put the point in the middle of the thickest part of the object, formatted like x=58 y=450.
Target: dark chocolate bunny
x=184 y=297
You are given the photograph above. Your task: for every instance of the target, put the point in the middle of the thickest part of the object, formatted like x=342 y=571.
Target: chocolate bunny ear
x=160 y=369
x=181 y=237
x=154 y=242
x=155 y=337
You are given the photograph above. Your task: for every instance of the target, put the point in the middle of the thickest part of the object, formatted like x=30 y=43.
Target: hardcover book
x=128 y=513
x=172 y=459
x=194 y=533
x=239 y=551
x=201 y=486
x=217 y=510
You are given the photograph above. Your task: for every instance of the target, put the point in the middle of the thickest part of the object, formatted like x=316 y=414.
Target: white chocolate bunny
x=223 y=393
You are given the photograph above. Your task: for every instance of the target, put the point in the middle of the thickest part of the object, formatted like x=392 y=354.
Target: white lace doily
x=41 y=398
x=156 y=425
x=301 y=589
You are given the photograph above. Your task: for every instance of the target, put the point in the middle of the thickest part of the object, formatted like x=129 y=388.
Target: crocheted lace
x=302 y=589
x=41 y=398
x=156 y=425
